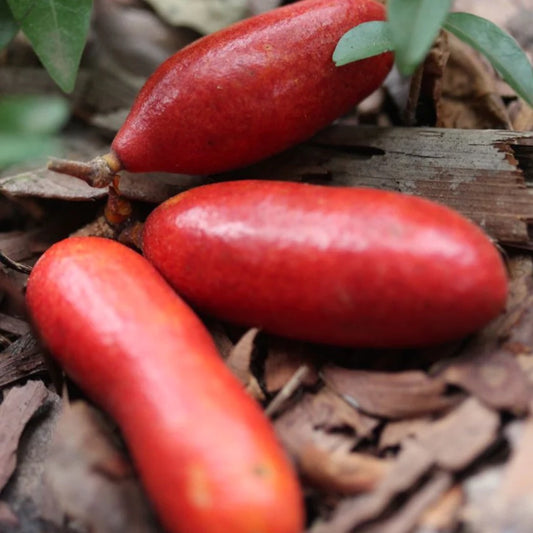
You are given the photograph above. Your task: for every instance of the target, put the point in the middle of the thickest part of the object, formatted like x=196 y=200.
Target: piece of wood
x=16 y=409
x=484 y=174
x=20 y=360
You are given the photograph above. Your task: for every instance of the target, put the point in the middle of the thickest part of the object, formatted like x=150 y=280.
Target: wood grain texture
x=484 y=174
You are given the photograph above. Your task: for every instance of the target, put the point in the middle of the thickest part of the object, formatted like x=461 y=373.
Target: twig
x=287 y=391
x=14 y=265
x=414 y=95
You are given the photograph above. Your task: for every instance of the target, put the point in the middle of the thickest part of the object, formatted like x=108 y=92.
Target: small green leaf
x=32 y=114
x=8 y=24
x=26 y=127
x=57 y=30
x=414 y=25
x=503 y=52
x=365 y=40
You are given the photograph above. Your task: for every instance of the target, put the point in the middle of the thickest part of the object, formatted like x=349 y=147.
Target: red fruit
x=205 y=452
x=250 y=90
x=345 y=266
x=244 y=93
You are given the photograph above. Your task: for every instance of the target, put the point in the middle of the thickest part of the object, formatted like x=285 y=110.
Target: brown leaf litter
x=376 y=450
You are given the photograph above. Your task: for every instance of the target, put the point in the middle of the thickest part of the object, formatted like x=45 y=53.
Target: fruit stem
x=99 y=172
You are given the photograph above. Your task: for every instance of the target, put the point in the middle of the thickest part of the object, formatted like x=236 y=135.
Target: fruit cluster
x=355 y=267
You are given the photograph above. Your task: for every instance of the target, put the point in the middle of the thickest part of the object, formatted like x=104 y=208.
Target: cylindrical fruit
x=205 y=452
x=344 y=266
x=243 y=93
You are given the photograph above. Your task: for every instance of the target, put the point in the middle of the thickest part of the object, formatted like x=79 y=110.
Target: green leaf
x=32 y=114
x=503 y=52
x=414 y=25
x=20 y=147
x=8 y=24
x=57 y=30
x=365 y=40
x=26 y=127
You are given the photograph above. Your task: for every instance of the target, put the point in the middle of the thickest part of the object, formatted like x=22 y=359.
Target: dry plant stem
x=131 y=235
x=409 y=116
x=99 y=172
x=287 y=391
x=118 y=209
x=14 y=265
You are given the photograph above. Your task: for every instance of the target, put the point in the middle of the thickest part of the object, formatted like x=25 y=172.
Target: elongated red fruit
x=346 y=266
x=250 y=90
x=205 y=452
x=244 y=93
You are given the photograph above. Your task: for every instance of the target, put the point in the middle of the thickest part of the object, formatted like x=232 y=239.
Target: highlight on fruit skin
x=336 y=265
x=242 y=94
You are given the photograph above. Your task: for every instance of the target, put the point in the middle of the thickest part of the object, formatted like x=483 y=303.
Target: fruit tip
x=99 y=172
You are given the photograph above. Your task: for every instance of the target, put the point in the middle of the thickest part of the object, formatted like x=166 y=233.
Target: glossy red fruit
x=204 y=450
x=250 y=90
x=345 y=266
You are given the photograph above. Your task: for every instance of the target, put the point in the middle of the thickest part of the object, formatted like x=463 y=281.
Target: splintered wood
x=91 y=478
x=483 y=174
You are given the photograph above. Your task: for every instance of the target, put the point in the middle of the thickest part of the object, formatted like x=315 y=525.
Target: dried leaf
x=332 y=413
x=27 y=492
x=8 y=519
x=410 y=465
x=17 y=408
x=497 y=11
x=283 y=360
x=239 y=362
x=16 y=244
x=43 y=183
x=526 y=365
x=501 y=499
x=458 y=438
x=469 y=97
x=323 y=420
x=520 y=334
x=443 y=515
x=409 y=514
x=515 y=484
x=397 y=431
x=10 y=324
x=498 y=47
x=522 y=116
x=205 y=16
x=480 y=490
x=92 y=479
x=21 y=359
x=118 y=28
x=391 y=395
x=156 y=187
x=222 y=341
x=494 y=377
x=341 y=471
x=434 y=68
x=521 y=280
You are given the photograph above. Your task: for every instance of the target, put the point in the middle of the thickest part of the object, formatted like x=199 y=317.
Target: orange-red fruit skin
x=204 y=450
x=250 y=90
x=344 y=266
